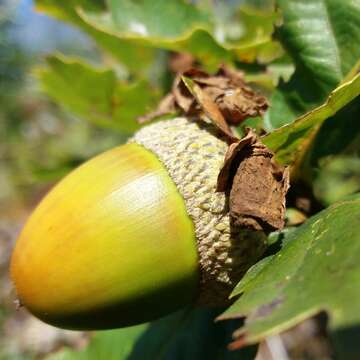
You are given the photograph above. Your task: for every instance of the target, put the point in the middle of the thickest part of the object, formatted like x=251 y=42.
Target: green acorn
x=134 y=234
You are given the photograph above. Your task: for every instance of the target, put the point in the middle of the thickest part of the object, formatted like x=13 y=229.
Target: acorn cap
x=134 y=234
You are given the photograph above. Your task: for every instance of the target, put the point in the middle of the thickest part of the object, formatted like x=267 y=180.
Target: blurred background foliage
x=110 y=62
x=39 y=141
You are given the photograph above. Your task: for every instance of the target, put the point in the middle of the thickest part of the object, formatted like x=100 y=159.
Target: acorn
x=134 y=234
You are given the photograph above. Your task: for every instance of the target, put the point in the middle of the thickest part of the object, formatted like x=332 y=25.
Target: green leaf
x=95 y=94
x=256 y=44
x=189 y=334
x=136 y=58
x=322 y=36
x=158 y=19
x=290 y=141
x=338 y=177
x=173 y=25
x=246 y=29
x=341 y=133
x=316 y=270
x=109 y=345
x=331 y=165
x=213 y=33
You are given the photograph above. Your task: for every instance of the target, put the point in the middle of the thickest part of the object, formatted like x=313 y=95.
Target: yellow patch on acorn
x=111 y=245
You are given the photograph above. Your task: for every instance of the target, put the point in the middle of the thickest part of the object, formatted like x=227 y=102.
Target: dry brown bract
x=257 y=185
x=234 y=99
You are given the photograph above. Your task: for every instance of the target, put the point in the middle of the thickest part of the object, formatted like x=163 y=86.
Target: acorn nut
x=134 y=234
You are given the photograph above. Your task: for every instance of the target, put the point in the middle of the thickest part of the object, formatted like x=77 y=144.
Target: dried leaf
x=257 y=185
x=183 y=97
x=219 y=82
x=232 y=152
x=210 y=109
x=180 y=98
x=240 y=103
x=228 y=90
x=226 y=98
x=195 y=73
x=236 y=77
x=223 y=79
